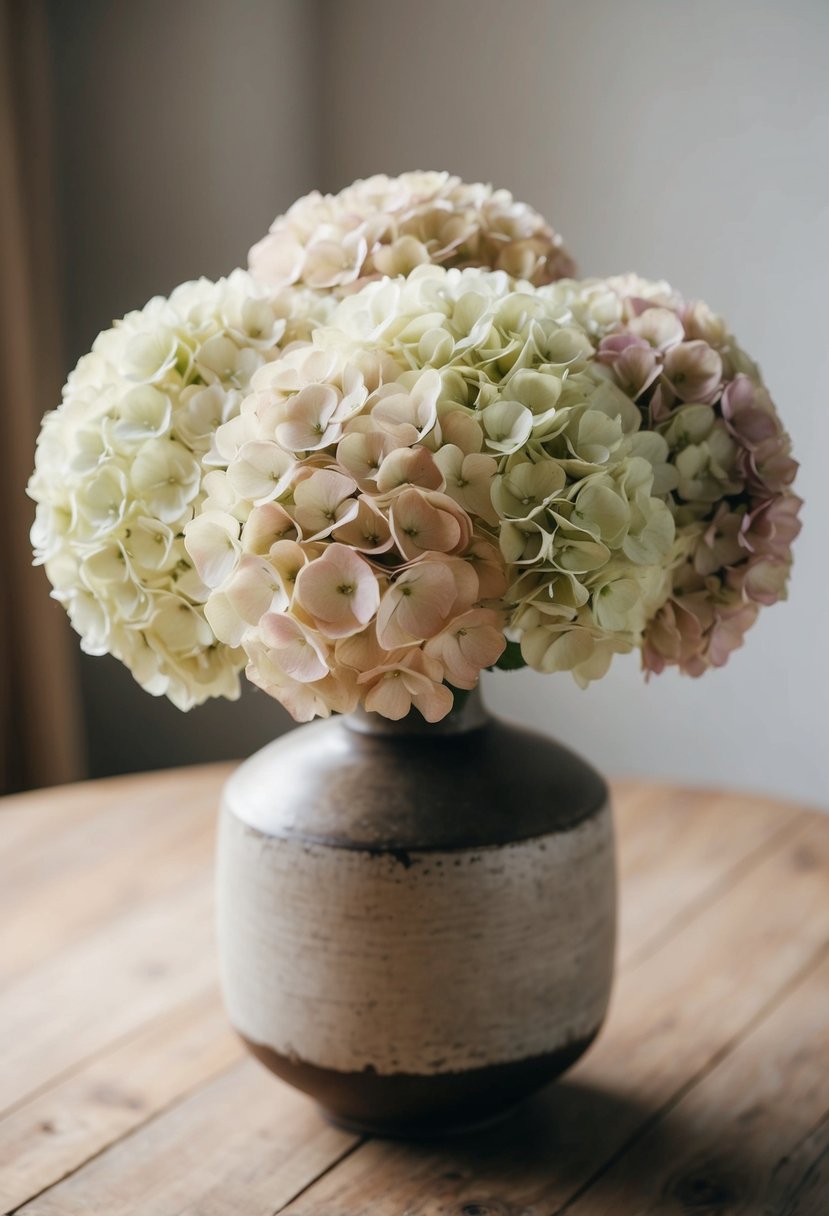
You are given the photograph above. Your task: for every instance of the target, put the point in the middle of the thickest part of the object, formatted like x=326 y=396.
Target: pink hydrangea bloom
x=734 y=498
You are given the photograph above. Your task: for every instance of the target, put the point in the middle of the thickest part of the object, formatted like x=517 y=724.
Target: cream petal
x=389 y=697
x=339 y=590
x=212 y=540
x=299 y=655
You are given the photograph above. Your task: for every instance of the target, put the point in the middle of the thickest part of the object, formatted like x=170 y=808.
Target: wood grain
x=750 y=1133
x=106 y=986
x=126 y=1092
x=240 y=1144
x=100 y=853
x=46 y=1138
x=716 y=835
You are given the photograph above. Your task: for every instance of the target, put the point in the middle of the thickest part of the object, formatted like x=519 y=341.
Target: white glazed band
x=420 y=963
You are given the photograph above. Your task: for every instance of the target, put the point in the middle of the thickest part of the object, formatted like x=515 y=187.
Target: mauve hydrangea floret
x=389 y=226
x=735 y=511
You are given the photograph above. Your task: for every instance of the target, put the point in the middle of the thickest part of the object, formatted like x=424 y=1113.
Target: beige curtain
x=40 y=737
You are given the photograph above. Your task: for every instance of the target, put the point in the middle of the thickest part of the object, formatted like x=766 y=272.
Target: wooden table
x=124 y=1091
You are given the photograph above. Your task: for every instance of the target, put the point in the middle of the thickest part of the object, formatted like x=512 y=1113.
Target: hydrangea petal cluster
x=118 y=475
x=389 y=226
x=349 y=566
x=447 y=459
x=730 y=459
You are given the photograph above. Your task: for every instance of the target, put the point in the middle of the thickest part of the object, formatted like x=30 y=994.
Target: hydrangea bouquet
x=405 y=447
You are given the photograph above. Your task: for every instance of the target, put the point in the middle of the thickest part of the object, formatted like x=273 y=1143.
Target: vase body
x=416 y=923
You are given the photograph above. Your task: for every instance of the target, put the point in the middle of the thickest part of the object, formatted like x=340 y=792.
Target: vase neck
x=468 y=713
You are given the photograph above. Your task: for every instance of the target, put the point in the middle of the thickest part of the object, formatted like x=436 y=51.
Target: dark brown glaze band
x=471 y=781
x=408 y=1106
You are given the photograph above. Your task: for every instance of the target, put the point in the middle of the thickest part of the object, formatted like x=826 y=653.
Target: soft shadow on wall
x=129 y=731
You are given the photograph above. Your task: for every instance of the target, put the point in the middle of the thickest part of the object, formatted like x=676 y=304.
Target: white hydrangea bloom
x=118 y=475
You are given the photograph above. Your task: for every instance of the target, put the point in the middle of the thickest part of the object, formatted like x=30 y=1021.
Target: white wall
x=685 y=139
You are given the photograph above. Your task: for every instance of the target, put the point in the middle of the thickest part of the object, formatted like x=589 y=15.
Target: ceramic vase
x=416 y=922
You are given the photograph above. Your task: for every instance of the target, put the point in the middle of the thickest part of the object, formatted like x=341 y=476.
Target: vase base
x=408 y=1106
x=425 y=1129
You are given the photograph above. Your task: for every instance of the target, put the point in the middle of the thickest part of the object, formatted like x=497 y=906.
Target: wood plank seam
x=813 y=1173
x=328 y=1169
x=72 y=1070
x=717 y=890
x=150 y=952
x=60 y=1130
x=156 y=1114
x=91 y=1057
x=797 y=981
x=811 y=1132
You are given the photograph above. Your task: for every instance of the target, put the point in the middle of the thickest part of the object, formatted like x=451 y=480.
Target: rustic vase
x=416 y=922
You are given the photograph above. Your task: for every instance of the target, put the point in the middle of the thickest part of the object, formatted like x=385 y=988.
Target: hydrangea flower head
x=118 y=475
x=390 y=225
x=731 y=462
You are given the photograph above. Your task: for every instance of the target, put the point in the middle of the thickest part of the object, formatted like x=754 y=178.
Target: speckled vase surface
x=416 y=922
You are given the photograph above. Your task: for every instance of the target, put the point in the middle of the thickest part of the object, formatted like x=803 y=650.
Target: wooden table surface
x=122 y=1089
